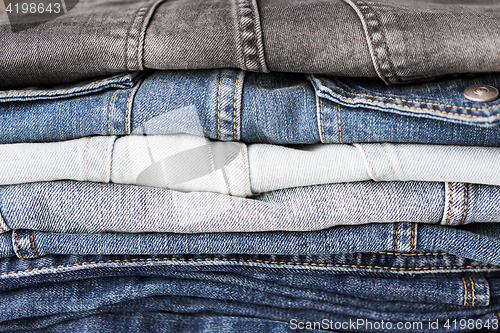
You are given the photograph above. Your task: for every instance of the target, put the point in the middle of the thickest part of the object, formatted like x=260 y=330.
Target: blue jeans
x=268 y=108
x=248 y=293
x=479 y=241
x=75 y=207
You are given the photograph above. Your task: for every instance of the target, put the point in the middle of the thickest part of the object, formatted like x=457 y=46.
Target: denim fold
x=232 y=105
x=252 y=35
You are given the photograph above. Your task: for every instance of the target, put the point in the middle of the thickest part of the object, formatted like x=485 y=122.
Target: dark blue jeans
x=358 y=292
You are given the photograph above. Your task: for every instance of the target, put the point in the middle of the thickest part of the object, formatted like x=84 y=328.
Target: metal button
x=481 y=93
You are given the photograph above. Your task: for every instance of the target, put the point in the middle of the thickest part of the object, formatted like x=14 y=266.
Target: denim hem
x=376 y=41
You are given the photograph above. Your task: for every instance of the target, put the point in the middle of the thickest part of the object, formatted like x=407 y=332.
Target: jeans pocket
x=120 y=81
x=439 y=100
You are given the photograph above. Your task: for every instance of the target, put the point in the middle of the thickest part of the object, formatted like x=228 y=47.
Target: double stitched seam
x=390 y=163
x=109 y=112
x=473 y=291
x=249 y=32
x=105 y=160
x=465 y=288
x=227 y=166
x=396 y=239
x=369 y=162
x=33 y=244
x=465 y=208
x=250 y=260
x=340 y=127
x=17 y=245
x=321 y=120
x=415 y=108
x=86 y=89
x=218 y=106
x=127 y=111
x=234 y=105
x=243 y=171
x=86 y=160
x=412 y=236
x=449 y=204
x=413 y=254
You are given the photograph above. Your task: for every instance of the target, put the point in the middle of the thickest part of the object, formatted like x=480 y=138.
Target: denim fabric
x=72 y=207
x=243 y=293
x=191 y=163
x=262 y=35
x=471 y=241
x=266 y=108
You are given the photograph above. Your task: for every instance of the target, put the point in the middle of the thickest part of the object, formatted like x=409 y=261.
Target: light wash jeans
x=190 y=163
x=78 y=207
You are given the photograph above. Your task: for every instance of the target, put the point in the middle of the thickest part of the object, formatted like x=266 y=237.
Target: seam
x=227 y=166
x=415 y=108
x=243 y=171
x=17 y=245
x=85 y=90
x=109 y=112
x=126 y=111
x=340 y=127
x=413 y=254
x=369 y=162
x=473 y=291
x=218 y=106
x=33 y=244
x=234 y=105
x=390 y=163
x=449 y=204
x=465 y=209
x=412 y=236
x=465 y=288
x=86 y=160
x=396 y=239
x=321 y=122
x=105 y=160
x=86 y=263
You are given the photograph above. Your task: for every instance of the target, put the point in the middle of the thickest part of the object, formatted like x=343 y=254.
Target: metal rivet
x=481 y=93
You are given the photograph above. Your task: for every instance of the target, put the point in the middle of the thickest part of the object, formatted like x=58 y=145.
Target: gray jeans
x=396 y=40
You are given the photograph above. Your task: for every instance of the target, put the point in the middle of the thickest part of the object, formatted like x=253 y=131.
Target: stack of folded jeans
x=250 y=166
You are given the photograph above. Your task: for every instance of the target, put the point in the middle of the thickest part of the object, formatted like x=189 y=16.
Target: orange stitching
x=86 y=161
x=105 y=159
x=340 y=128
x=413 y=254
x=473 y=291
x=33 y=244
x=427 y=103
x=109 y=112
x=412 y=235
x=251 y=260
x=126 y=111
x=218 y=107
x=17 y=245
x=44 y=91
x=396 y=239
x=243 y=171
x=225 y=157
x=465 y=209
x=449 y=204
x=390 y=163
x=369 y=162
x=465 y=297
x=234 y=105
x=321 y=114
